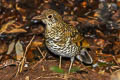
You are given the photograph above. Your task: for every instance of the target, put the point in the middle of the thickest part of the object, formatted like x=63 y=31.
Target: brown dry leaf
x=5 y=26
x=73 y=23
x=117 y=43
x=68 y=18
x=8 y=62
x=100 y=33
x=30 y=56
x=11 y=47
x=118 y=3
x=118 y=60
x=10 y=27
x=19 y=50
x=1 y=57
x=106 y=57
x=82 y=19
x=38 y=30
x=24 y=18
x=7 y=5
x=3 y=47
x=17 y=25
x=109 y=59
x=115 y=75
x=117 y=56
x=88 y=21
x=100 y=42
x=37 y=44
x=20 y=9
x=96 y=14
x=69 y=4
x=10 y=17
x=16 y=31
x=93 y=22
x=27 y=77
x=84 y=4
x=102 y=72
x=116 y=47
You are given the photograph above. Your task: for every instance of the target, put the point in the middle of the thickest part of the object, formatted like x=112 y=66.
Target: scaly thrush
x=62 y=39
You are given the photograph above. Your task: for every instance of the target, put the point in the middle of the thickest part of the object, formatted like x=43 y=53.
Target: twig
x=44 y=56
x=40 y=51
x=20 y=66
x=115 y=60
x=65 y=77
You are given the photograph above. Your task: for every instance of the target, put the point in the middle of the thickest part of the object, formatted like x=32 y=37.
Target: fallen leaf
x=16 y=31
x=19 y=50
x=5 y=26
x=8 y=62
x=101 y=72
x=75 y=69
x=11 y=47
x=3 y=47
x=56 y=69
x=115 y=75
x=37 y=44
x=27 y=77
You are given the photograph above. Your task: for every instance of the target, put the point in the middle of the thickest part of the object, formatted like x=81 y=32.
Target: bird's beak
x=39 y=17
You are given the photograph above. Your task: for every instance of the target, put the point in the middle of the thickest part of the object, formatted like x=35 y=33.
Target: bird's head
x=48 y=16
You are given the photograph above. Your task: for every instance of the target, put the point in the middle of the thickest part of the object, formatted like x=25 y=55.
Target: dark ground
x=42 y=72
x=97 y=22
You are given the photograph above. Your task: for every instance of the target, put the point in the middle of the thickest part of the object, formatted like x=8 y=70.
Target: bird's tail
x=85 y=57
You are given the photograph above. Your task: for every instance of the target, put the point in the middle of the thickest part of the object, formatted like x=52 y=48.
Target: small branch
x=44 y=56
x=20 y=66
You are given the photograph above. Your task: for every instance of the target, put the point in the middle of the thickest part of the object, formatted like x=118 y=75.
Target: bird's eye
x=50 y=16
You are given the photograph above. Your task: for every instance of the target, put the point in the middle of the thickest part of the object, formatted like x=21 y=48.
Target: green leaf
x=57 y=69
x=74 y=69
x=101 y=64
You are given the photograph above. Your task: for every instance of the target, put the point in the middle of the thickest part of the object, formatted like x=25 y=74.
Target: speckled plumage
x=62 y=39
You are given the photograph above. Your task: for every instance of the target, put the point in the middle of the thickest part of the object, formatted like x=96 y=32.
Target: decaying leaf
x=118 y=60
x=11 y=47
x=30 y=56
x=84 y=4
x=27 y=77
x=5 y=26
x=19 y=50
x=3 y=47
x=16 y=31
x=19 y=9
x=102 y=72
x=14 y=27
x=87 y=21
x=37 y=44
x=1 y=57
x=115 y=75
x=8 y=62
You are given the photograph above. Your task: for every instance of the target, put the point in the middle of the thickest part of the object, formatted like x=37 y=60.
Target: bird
x=62 y=39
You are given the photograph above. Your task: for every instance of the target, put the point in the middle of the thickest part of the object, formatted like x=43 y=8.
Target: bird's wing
x=75 y=36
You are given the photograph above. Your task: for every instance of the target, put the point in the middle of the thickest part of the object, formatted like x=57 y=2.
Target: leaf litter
x=98 y=21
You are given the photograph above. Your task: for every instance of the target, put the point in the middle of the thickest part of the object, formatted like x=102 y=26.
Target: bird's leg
x=72 y=59
x=60 y=62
